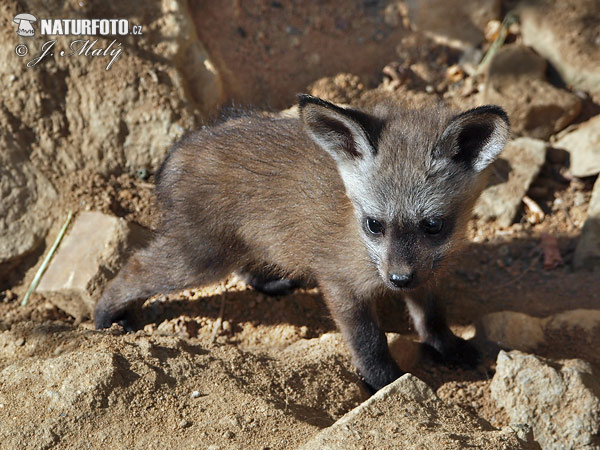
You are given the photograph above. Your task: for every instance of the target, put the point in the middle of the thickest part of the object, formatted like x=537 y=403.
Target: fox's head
x=412 y=176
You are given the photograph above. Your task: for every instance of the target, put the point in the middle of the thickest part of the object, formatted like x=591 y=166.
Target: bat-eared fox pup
x=362 y=203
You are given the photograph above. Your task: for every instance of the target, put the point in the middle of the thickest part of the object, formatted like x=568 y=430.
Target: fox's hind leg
x=268 y=284
x=267 y=281
x=164 y=266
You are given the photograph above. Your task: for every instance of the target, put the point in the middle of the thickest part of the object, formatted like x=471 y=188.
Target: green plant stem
x=47 y=259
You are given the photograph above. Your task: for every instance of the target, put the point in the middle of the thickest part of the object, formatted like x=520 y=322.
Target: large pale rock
x=71 y=387
x=80 y=115
x=407 y=414
x=176 y=39
x=516 y=81
x=518 y=331
x=582 y=321
x=26 y=196
x=583 y=144
x=513 y=330
x=566 y=34
x=458 y=22
x=65 y=383
x=87 y=258
x=587 y=253
x=561 y=401
x=510 y=178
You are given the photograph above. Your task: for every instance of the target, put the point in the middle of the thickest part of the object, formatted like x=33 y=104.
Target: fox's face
x=412 y=177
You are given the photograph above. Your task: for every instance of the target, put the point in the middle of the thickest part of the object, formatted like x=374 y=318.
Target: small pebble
x=195 y=394
x=19 y=342
x=184 y=423
x=9 y=296
x=228 y=435
x=579 y=199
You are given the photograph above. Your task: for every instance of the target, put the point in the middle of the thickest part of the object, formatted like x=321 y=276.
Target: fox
x=361 y=202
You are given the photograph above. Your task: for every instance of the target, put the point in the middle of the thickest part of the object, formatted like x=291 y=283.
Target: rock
x=60 y=390
x=89 y=255
x=195 y=394
x=458 y=23
x=587 y=253
x=586 y=320
x=561 y=401
x=178 y=41
x=267 y=52
x=69 y=381
x=518 y=331
x=70 y=113
x=510 y=178
x=80 y=115
x=406 y=352
x=408 y=414
x=26 y=195
x=513 y=330
x=517 y=82
x=566 y=34
x=583 y=144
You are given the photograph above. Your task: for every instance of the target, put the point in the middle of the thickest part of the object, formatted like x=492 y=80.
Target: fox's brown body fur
x=285 y=197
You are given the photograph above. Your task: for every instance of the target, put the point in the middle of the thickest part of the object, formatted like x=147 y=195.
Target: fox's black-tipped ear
x=474 y=138
x=345 y=133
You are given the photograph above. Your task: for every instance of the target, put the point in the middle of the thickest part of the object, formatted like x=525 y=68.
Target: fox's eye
x=374 y=226
x=432 y=226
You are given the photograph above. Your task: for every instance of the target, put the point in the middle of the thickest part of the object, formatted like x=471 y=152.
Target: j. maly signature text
x=81 y=47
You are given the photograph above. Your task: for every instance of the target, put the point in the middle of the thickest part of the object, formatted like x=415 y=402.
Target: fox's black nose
x=401 y=280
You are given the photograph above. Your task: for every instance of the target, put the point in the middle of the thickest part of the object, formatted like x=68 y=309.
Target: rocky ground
x=225 y=367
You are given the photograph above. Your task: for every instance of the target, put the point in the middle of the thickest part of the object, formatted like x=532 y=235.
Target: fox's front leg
x=357 y=321
x=429 y=318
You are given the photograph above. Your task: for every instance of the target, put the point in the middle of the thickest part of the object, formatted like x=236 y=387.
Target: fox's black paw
x=104 y=319
x=366 y=388
x=378 y=377
x=457 y=353
x=272 y=286
x=276 y=288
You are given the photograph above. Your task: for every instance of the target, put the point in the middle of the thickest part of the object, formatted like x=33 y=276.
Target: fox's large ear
x=474 y=138
x=346 y=134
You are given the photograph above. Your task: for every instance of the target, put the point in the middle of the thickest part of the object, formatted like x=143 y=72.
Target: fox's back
x=263 y=182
